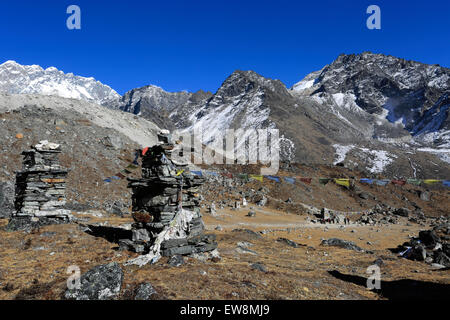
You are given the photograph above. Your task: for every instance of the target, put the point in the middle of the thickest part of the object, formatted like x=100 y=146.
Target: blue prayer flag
x=274 y=178
x=197 y=173
x=289 y=180
x=382 y=182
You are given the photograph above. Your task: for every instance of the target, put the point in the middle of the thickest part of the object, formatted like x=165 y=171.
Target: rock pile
x=431 y=246
x=384 y=214
x=166 y=208
x=40 y=188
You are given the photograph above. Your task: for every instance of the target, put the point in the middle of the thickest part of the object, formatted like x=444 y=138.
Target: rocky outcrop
x=100 y=283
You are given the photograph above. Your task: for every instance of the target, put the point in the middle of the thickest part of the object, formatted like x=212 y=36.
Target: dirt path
x=264 y=219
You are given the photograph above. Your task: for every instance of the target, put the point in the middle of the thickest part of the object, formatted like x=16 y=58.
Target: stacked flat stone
x=40 y=186
x=155 y=199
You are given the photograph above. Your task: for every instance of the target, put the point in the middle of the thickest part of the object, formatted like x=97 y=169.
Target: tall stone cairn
x=156 y=200
x=40 y=188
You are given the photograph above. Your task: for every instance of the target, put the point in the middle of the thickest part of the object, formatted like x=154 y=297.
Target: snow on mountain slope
x=168 y=110
x=16 y=78
x=409 y=94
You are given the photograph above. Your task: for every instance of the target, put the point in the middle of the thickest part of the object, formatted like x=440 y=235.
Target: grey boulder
x=6 y=199
x=100 y=283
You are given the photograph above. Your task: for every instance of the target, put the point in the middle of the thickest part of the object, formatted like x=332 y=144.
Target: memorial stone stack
x=165 y=188
x=40 y=188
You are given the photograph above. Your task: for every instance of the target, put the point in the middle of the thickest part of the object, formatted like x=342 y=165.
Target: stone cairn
x=165 y=190
x=40 y=189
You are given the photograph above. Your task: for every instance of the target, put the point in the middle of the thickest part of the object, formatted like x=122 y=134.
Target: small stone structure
x=40 y=188
x=166 y=212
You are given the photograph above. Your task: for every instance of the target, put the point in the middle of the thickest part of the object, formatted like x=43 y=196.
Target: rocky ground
x=254 y=264
x=270 y=255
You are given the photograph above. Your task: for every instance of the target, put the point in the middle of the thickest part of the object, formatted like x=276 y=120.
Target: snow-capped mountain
x=395 y=92
x=375 y=112
x=408 y=93
x=16 y=79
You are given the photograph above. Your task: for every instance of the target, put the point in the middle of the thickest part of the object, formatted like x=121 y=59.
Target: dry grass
x=33 y=266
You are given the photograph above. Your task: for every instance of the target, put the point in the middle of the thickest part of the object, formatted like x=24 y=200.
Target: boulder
x=145 y=291
x=335 y=242
x=425 y=195
x=441 y=258
x=100 y=283
x=429 y=238
x=258 y=266
x=176 y=260
x=247 y=232
x=403 y=212
x=288 y=242
x=251 y=214
x=364 y=195
x=7 y=195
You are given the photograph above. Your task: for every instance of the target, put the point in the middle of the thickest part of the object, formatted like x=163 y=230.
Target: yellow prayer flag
x=431 y=181
x=343 y=182
x=180 y=172
x=256 y=177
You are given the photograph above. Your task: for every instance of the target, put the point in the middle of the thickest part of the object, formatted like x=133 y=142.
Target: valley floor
x=33 y=266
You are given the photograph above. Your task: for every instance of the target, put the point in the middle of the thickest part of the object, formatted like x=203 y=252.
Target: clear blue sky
x=196 y=44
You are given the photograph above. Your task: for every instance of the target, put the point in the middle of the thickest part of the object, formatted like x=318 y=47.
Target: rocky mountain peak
x=404 y=92
x=240 y=82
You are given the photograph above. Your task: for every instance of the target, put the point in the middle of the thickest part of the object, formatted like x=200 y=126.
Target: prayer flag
x=289 y=180
x=382 y=182
x=414 y=181
x=243 y=176
x=343 y=182
x=197 y=173
x=273 y=178
x=305 y=180
x=256 y=177
x=431 y=181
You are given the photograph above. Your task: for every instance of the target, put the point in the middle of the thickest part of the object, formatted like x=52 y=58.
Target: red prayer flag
x=144 y=151
x=305 y=180
x=399 y=182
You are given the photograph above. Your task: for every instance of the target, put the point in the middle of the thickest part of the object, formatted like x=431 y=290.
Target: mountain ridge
x=33 y=79
x=375 y=111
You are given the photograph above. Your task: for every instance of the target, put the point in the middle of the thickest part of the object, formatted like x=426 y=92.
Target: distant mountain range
x=19 y=79
x=377 y=113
